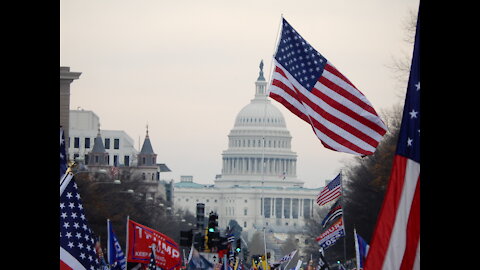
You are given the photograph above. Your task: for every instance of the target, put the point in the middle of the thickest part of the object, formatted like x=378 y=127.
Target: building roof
x=147 y=145
x=196 y=185
x=163 y=167
x=189 y=185
x=98 y=146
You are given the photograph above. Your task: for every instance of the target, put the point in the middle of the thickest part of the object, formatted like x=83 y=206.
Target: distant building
x=113 y=152
x=66 y=78
x=149 y=170
x=84 y=128
x=256 y=196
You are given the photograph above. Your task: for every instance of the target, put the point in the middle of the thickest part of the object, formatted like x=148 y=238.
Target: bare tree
x=256 y=245
x=400 y=66
x=103 y=199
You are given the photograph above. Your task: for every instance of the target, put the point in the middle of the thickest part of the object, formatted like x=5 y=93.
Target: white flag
x=288 y=257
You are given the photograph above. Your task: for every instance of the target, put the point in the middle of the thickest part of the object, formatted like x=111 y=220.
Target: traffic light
x=186 y=238
x=198 y=241
x=212 y=222
x=200 y=215
x=212 y=234
x=238 y=249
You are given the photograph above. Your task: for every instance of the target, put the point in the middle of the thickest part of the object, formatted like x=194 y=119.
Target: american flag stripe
x=336 y=121
x=344 y=88
x=310 y=86
x=393 y=245
x=68 y=262
x=354 y=115
x=324 y=198
x=356 y=107
x=335 y=118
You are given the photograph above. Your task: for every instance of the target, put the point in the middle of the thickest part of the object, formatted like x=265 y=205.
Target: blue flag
x=361 y=248
x=116 y=257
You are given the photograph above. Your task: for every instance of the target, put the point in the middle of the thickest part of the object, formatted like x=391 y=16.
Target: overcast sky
x=188 y=67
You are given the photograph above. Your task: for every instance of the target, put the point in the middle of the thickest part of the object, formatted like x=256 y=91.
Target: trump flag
x=331 y=235
x=140 y=240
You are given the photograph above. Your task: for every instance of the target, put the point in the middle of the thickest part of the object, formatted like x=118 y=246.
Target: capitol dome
x=259 y=133
x=252 y=115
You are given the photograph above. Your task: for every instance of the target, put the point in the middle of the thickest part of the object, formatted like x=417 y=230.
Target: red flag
x=140 y=240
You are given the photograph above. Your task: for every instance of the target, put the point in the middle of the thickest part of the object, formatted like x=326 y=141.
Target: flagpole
x=108 y=242
x=344 y=223
x=184 y=258
x=126 y=241
x=357 y=258
x=277 y=40
x=265 y=245
x=285 y=267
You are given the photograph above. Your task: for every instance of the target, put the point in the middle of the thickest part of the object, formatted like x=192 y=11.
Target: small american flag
x=152 y=265
x=308 y=85
x=331 y=191
x=288 y=257
x=77 y=243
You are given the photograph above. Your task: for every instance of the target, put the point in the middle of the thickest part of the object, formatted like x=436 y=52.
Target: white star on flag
x=418 y=86
x=413 y=114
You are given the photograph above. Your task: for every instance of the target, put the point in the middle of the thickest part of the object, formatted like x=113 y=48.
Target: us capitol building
x=271 y=197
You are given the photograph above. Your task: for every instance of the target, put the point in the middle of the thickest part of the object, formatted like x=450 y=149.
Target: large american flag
x=331 y=191
x=395 y=242
x=308 y=85
x=77 y=243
